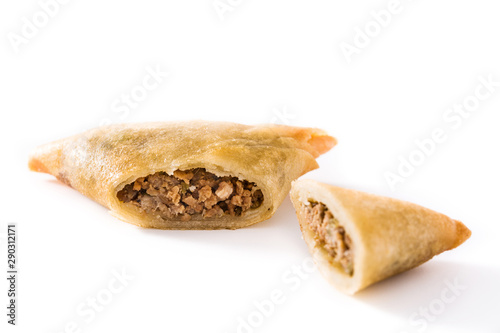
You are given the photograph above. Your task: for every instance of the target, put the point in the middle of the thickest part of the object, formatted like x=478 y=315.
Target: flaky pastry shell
x=388 y=236
x=100 y=162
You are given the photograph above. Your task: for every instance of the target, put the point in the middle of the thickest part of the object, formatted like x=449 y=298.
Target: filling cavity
x=329 y=234
x=192 y=192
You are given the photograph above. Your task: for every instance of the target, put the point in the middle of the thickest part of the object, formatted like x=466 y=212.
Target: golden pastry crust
x=389 y=236
x=100 y=162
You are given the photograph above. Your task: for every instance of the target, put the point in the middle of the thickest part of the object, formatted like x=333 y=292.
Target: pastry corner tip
x=34 y=164
x=322 y=142
x=316 y=141
x=463 y=233
x=43 y=158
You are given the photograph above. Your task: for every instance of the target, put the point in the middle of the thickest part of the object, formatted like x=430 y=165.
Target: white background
x=265 y=61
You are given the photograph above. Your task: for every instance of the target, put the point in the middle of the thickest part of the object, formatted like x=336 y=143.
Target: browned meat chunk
x=224 y=190
x=186 y=176
x=192 y=192
x=236 y=200
x=204 y=193
x=330 y=234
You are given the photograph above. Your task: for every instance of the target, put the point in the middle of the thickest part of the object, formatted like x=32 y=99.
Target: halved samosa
x=185 y=175
x=357 y=239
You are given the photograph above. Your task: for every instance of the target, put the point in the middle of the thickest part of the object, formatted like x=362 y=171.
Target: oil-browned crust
x=388 y=236
x=100 y=162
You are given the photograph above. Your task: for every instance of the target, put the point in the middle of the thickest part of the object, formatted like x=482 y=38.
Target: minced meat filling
x=330 y=234
x=192 y=192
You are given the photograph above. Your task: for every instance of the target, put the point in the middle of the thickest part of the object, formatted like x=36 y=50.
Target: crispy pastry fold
x=379 y=236
x=102 y=161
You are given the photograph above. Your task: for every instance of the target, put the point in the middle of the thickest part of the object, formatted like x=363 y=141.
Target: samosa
x=357 y=239
x=185 y=175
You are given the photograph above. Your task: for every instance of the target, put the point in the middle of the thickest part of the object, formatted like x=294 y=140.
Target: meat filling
x=192 y=192
x=329 y=234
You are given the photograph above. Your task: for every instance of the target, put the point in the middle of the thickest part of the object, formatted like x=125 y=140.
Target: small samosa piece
x=358 y=239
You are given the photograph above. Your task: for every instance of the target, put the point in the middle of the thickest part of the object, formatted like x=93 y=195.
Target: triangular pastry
x=185 y=175
x=357 y=239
